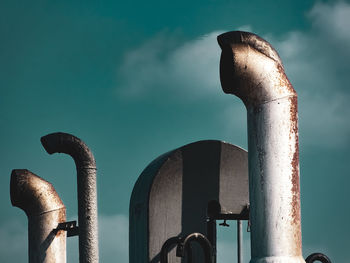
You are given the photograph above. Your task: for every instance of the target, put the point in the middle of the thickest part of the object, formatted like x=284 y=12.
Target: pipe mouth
x=52 y=143
x=60 y=142
x=226 y=40
x=251 y=69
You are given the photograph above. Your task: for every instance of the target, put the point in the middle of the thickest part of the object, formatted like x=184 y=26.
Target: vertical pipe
x=251 y=69
x=239 y=241
x=87 y=190
x=45 y=211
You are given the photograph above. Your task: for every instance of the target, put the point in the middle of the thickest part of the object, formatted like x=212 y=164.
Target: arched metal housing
x=172 y=196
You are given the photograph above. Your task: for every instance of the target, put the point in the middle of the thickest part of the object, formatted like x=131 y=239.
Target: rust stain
x=284 y=81
x=61 y=218
x=295 y=162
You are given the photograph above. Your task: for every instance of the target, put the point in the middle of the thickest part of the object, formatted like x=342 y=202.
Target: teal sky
x=139 y=78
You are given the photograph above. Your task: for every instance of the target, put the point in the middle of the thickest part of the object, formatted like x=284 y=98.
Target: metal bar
x=251 y=69
x=45 y=211
x=211 y=235
x=239 y=241
x=201 y=240
x=87 y=190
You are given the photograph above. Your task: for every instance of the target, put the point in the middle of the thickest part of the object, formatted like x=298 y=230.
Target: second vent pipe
x=87 y=193
x=251 y=69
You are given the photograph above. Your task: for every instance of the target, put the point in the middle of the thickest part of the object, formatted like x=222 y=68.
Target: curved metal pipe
x=87 y=192
x=317 y=257
x=168 y=245
x=251 y=69
x=45 y=211
x=203 y=242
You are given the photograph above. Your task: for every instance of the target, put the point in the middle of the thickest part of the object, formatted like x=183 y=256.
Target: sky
x=139 y=78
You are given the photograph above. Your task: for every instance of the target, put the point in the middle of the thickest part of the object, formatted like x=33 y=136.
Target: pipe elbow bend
x=60 y=142
x=33 y=194
x=251 y=69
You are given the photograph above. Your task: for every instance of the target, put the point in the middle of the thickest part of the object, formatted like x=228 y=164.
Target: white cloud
x=333 y=20
x=227 y=251
x=113 y=240
x=316 y=62
x=13 y=242
x=192 y=66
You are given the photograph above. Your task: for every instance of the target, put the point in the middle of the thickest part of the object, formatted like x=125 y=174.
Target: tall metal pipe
x=87 y=190
x=251 y=69
x=45 y=211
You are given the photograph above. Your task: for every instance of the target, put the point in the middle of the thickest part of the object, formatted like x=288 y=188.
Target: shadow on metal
x=183 y=247
x=201 y=240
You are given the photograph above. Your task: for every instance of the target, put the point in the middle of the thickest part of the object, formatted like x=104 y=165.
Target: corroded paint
x=251 y=69
x=295 y=161
x=45 y=210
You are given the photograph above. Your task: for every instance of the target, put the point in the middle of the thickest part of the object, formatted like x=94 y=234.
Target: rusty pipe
x=45 y=211
x=87 y=190
x=251 y=69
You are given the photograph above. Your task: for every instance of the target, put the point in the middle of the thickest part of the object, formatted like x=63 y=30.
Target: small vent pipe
x=251 y=69
x=45 y=210
x=87 y=190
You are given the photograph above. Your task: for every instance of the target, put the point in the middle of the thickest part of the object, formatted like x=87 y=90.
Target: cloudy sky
x=139 y=78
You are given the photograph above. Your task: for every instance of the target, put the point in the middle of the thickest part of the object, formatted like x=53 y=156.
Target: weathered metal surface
x=252 y=70
x=172 y=195
x=45 y=211
x=87 y=190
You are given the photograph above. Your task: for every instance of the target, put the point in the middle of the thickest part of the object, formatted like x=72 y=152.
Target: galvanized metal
x=87 y=190
x=251 y=69
x=45 y=211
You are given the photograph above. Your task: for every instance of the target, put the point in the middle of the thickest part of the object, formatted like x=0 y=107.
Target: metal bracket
x=71 y=228
x=224 y=224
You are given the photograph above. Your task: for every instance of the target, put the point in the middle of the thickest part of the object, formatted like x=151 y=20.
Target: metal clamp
x=71 y=228
x=224 y=223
